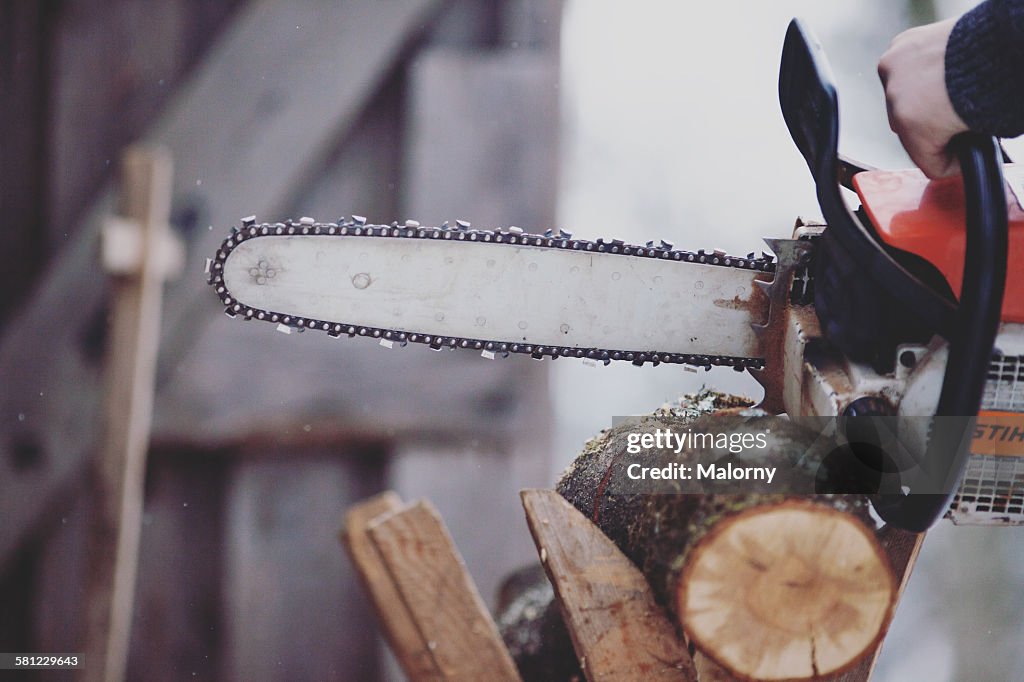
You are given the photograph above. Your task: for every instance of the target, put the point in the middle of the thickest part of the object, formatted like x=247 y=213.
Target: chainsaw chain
x=356 y=226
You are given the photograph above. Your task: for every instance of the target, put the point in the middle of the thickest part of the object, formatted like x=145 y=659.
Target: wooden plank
x=439 y=593
x=476 y=489
x=282 y=574
x=119 y=468
x=392 y=614
x=617 y=629
x=246 y=384
x=250 y=125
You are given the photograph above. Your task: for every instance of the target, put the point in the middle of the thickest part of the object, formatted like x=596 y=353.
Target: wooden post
x=136 y=257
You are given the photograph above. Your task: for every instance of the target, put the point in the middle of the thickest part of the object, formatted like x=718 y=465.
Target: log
x=773 y=582
x=533 y=630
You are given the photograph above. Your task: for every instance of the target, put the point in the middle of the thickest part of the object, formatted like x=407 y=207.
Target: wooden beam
x=280 y=88
x=617 y=629
x=430 y=575
x=394 y=617
x=119 y=466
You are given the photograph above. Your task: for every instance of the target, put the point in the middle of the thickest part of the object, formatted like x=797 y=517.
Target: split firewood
x=618 y=630
x=768 y=580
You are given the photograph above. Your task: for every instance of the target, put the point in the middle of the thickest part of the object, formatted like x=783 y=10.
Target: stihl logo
x=999 y=433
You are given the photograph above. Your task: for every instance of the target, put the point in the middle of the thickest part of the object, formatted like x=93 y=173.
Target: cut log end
x=793 y=590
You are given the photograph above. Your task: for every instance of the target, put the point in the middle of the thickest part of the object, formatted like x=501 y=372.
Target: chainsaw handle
x=984 y=279
x=970 y=348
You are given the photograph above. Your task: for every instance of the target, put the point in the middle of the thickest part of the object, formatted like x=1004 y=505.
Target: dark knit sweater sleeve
x=985 y=68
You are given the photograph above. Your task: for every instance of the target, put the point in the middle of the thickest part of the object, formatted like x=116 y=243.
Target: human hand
x=913 y=73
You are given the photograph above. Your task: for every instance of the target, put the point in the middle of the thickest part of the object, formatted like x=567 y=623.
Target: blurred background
x=641 y=120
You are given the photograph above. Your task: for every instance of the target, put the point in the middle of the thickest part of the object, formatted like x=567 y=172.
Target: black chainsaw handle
x=970 y=349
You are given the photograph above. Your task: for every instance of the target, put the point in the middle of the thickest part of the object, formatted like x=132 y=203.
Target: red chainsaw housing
x=926 y=218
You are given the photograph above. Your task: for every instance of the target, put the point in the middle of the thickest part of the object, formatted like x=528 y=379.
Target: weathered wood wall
x=261 y=440
x=78 y=81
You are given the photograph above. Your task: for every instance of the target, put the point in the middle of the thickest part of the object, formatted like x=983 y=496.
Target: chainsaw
x=895 y=309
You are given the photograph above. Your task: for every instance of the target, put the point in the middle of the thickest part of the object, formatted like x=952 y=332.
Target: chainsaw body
x=922 y=218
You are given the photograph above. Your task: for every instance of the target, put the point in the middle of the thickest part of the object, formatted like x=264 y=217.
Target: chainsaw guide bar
x=525 y=293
